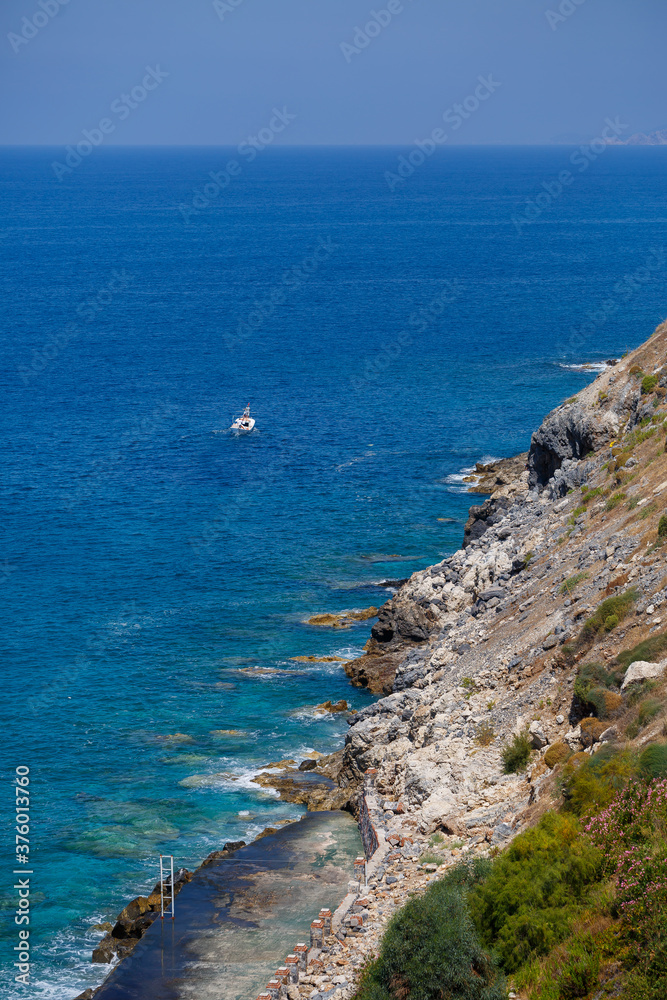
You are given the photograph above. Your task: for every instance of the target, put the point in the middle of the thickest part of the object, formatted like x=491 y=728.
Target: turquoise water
x=151 y=562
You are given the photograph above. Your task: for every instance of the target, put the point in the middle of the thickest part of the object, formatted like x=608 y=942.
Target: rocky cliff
x=485 y=643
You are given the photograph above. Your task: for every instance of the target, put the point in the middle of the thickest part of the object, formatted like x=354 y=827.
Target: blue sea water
x=156 y=570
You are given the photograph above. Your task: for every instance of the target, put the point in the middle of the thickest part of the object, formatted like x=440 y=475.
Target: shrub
x=556 y=754
x=537 y=887
x=568 y=586
x=649 y=383
x=579 y=975
x=431 y=949
x=648 y=709
x=614 y=501
x=653 y=761
x=591 y=731
x=598 y=778
x=635 y=370
x=617 y=606
x=605 y=703
x=517 y=753
x=610 y=622
x=485 y=734
x=593 y=687
x=650 y=649
x=662 y=527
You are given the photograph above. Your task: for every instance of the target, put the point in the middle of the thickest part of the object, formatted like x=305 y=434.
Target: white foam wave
x=586 y=366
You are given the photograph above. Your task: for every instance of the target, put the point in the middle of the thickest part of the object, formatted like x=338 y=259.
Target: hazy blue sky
x=228 y=68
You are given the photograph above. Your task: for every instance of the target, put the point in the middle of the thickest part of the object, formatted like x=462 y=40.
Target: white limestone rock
x=642 y=670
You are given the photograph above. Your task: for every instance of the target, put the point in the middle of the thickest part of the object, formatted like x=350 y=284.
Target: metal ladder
x=166 y=868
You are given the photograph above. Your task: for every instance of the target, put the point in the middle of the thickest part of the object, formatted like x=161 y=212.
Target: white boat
x=243 y=423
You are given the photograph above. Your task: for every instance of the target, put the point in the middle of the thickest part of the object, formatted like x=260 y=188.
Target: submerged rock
x=345 y=619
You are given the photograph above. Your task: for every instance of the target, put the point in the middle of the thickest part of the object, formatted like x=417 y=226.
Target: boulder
x=488 y=595
x=135 y=909
x=501 y=832
x=482 y=516
x=105 y=951
x=375 y=672
x=328 y=706
x=437 y=811
x=537 y=737
x=641 y=670
x=400 y=622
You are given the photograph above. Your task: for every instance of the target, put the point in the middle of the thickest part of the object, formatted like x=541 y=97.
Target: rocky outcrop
x=345 y=619
x=400 y=621
x=374 y=671
x=489 y=476
x=316 y=783
x=482 y=517
x=478 y=641
x=569 y=433
x=134 y=920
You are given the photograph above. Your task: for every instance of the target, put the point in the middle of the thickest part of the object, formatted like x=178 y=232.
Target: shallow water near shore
x=236 y=921
x=157 y=575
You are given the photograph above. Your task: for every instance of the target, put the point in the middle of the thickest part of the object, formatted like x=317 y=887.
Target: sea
x=157 y=571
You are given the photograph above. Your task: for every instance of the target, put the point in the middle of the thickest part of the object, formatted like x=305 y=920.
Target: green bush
x=649 y=383
x=579 y=975
x=650 y=649
x=604 y=703
x=614 y=501
x=431 y=949
x=617 y=606
x=653 y=761
x=597 y=779
x=594 y=684
x=610 y=622
x=517 y=753
x=536 y=889
x=568 y=586
x=648 y=709
x=662 y=527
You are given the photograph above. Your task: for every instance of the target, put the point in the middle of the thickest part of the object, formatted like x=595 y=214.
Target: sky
x=341 y=71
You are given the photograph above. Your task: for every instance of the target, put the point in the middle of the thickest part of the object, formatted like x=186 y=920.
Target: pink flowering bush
x=641 y=883
x=632 y=834
x=636 y=815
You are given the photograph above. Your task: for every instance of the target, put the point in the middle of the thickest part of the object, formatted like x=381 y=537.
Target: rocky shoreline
x=484 y=645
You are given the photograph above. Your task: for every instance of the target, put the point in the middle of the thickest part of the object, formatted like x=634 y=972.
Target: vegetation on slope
x=575 y=907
